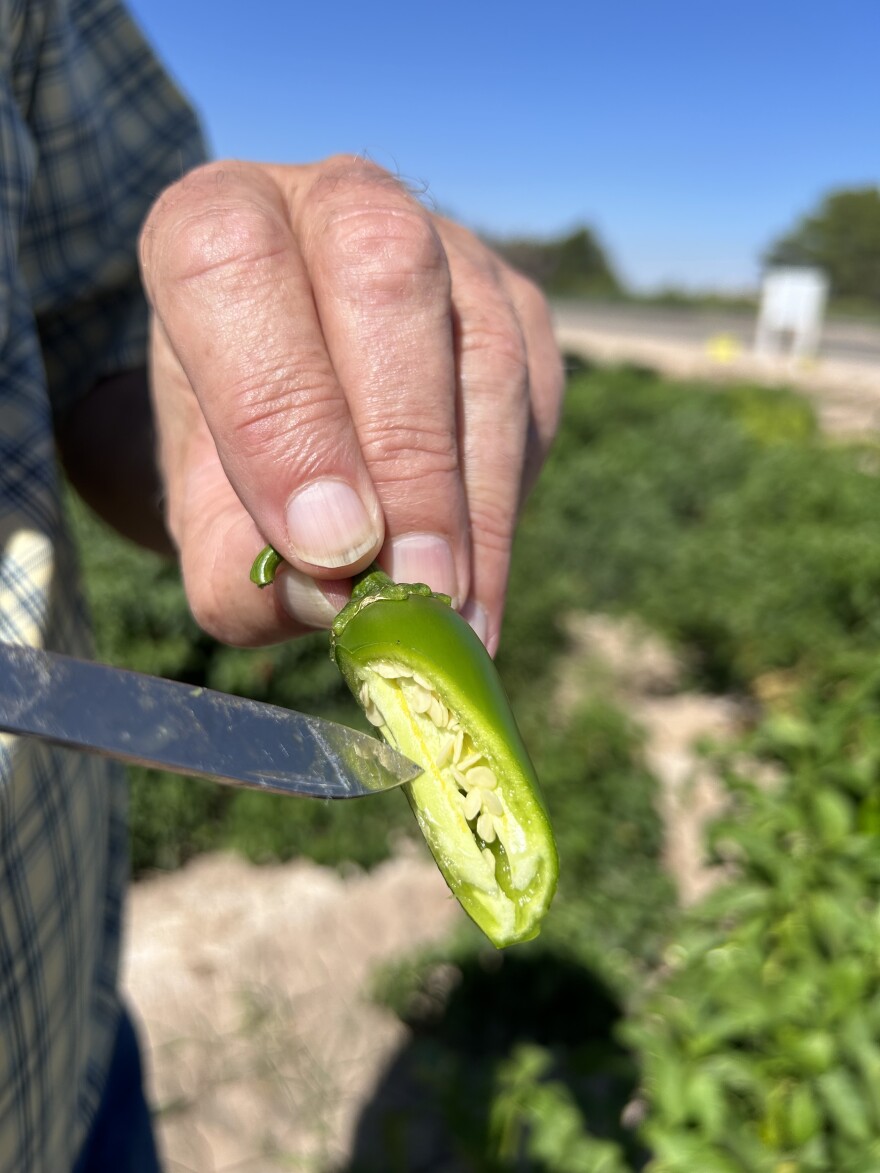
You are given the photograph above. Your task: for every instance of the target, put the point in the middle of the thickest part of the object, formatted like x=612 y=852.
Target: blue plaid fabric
x=91 y=129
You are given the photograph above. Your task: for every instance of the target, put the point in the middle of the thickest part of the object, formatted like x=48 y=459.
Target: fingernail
x=423 y=558
x=314 y=604
x=476 y=616
x=328 y=525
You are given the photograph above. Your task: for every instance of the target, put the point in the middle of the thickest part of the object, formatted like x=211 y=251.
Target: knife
x=172 y=726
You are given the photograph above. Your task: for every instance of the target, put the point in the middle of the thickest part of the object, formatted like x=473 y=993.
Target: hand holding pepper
x=347 y=376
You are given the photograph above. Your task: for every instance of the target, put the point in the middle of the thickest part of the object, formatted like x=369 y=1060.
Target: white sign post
x=790 y=317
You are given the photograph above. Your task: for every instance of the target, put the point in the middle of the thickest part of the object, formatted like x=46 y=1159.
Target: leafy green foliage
x=761 y=1044
x=842 y=236
x=538 y=1116
x=720 y=517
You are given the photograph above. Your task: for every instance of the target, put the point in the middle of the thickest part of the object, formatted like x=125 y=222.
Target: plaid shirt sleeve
x=91 y=130
x=111 y=131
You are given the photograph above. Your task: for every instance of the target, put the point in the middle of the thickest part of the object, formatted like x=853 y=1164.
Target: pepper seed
x=486 y=828
x=480 y=776
x=438 y=712
x=473 y=804
x=492 y=803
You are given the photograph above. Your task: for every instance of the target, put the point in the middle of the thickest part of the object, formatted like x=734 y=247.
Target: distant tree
x=569 y=265
x=842 y=237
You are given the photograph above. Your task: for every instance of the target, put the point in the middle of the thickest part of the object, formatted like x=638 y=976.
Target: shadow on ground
x=447 y=1102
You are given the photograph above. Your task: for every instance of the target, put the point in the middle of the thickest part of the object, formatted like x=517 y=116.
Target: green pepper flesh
x=393 y=627
x=425 y=680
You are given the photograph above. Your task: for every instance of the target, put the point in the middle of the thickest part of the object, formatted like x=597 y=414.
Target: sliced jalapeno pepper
x=425 y=680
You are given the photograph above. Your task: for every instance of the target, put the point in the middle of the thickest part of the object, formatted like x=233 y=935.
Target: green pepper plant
x=760 y=1043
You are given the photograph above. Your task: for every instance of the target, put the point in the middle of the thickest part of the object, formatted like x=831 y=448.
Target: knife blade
x=149 y=721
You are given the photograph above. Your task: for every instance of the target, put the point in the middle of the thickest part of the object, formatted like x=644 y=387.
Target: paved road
x=845 y=340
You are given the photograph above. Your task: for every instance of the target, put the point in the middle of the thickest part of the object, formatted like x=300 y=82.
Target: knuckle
x=282 y=405
x=227 y=238
x=387 y=250
x=493 y=523
x=376 y=237
x=397 y=452
x=208 y=223
x=174 y=202
x=496 y=339
x=285 y=413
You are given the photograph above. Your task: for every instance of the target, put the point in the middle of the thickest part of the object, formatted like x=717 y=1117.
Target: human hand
x=342 y=374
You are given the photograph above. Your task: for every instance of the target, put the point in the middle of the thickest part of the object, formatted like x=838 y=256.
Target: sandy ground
x=624 y=660
x=251 y=984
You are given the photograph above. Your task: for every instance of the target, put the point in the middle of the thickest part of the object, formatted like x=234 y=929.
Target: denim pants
x=121 y=1138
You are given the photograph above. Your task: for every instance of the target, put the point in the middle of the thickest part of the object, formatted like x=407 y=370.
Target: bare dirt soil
x=252 y=988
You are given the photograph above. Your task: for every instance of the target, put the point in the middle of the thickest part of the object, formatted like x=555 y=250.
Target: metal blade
x=187 y=730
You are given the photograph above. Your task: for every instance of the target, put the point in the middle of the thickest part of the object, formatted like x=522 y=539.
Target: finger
x=216 y=538
x=546 y=372
x=227 y=281
x=494 y=389
x=382 y=289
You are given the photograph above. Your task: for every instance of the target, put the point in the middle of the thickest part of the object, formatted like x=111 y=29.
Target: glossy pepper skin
x=426 y=681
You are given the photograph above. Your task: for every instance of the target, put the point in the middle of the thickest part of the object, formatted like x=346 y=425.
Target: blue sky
x=687 y=134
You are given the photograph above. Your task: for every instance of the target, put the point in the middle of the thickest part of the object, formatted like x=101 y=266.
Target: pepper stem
x=265 y=567
x=375 y=573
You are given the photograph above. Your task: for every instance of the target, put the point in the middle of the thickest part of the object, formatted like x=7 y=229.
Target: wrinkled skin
x=342 y=373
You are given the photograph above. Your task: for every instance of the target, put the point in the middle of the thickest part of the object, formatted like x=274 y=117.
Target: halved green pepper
x=425 y=680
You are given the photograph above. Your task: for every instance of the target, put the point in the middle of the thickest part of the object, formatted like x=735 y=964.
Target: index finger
x=227 y=280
